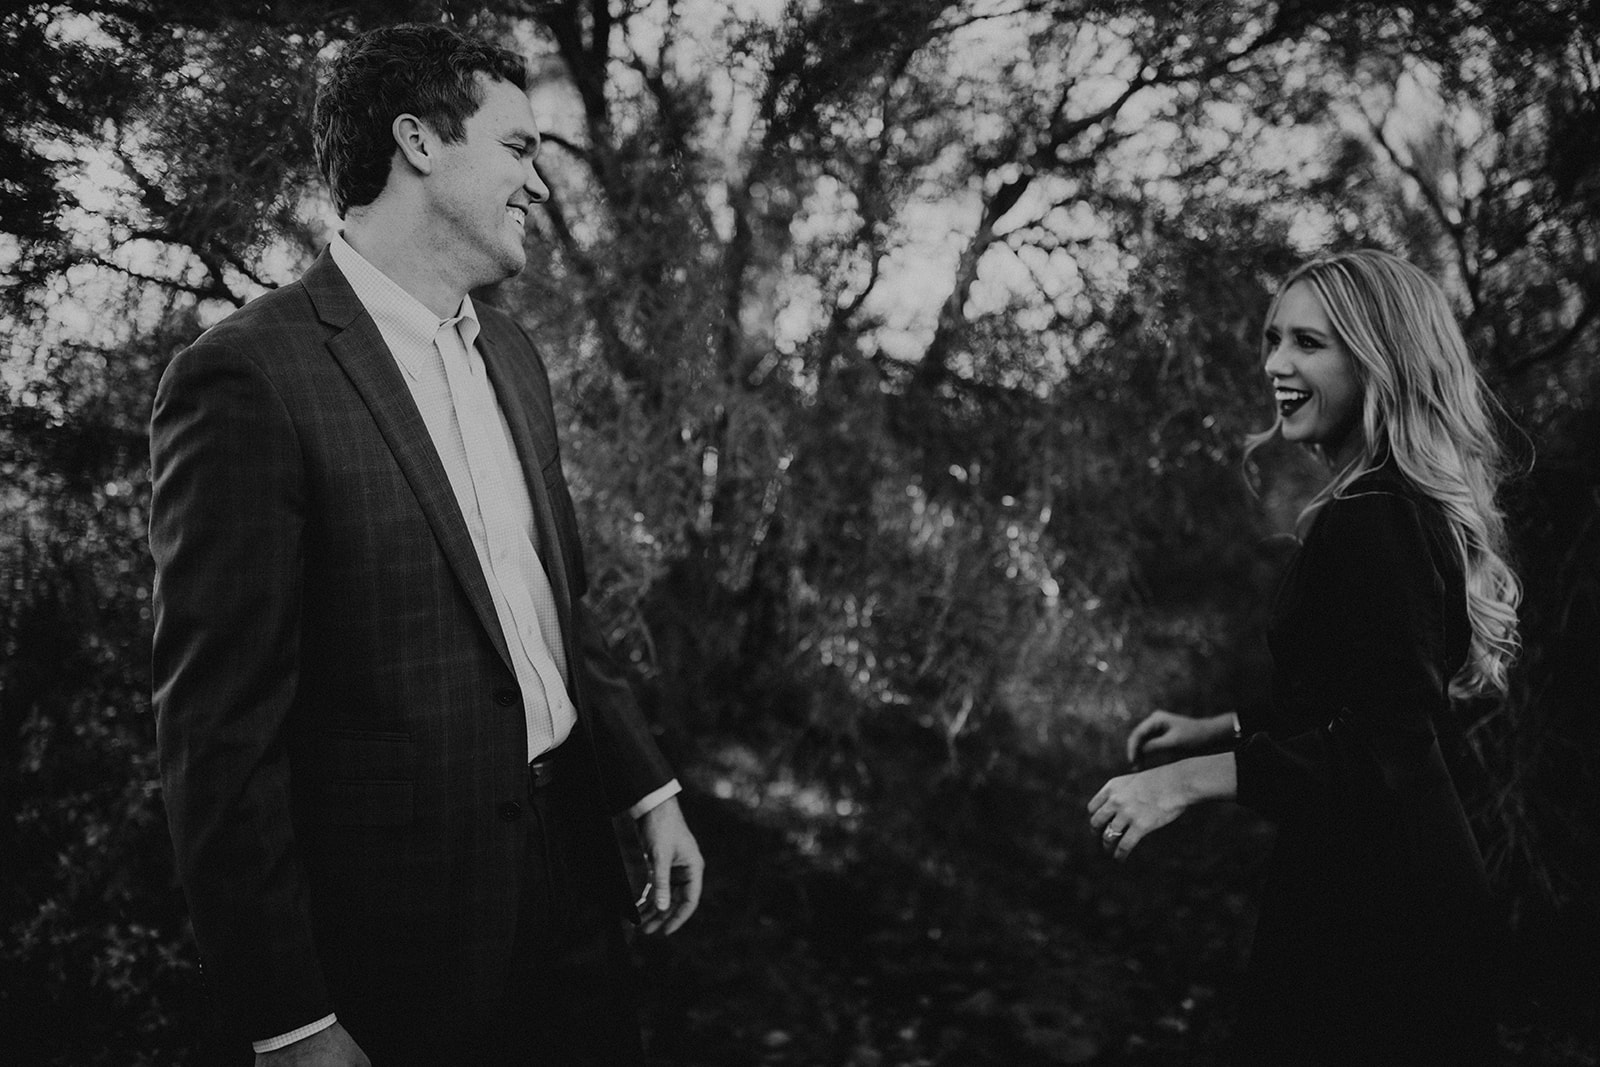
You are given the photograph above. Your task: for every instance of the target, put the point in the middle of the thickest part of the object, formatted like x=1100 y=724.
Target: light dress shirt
x=444 y=370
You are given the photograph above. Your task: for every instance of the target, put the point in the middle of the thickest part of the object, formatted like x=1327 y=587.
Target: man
x=391 y=738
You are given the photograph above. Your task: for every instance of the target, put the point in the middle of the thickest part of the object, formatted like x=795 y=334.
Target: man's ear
x=415 y=142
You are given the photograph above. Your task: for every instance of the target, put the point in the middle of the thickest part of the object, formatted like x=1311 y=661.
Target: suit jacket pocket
x=364 y=754
x=363 y=778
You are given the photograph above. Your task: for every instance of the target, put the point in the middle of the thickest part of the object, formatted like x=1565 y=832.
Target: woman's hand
x=1130 y=806
x=1163 y=734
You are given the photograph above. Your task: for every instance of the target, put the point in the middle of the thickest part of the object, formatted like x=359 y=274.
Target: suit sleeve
x=623 y=741
x=630 y=760
x=226 y=525
x=1376 y=603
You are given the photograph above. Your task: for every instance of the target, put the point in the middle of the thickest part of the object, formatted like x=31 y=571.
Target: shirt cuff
x=653 y=800
x=273 y=1044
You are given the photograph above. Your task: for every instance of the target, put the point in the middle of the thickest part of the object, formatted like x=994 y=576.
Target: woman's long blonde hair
x=1425 y=407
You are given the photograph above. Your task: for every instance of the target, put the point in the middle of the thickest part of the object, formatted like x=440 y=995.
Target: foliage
x=905 y=349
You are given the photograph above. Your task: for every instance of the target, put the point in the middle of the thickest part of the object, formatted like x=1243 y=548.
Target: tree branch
x=1561 y=345
x=1454 y=229
x=623 y=359
x=572 y=148
x=213 y=291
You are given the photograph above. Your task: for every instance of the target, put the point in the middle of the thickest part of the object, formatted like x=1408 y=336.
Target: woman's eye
x=1305 y=340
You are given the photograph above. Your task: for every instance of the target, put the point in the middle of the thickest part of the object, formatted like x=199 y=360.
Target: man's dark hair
x=422 y=69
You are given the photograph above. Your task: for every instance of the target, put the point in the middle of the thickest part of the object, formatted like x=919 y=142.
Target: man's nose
x=538 y=191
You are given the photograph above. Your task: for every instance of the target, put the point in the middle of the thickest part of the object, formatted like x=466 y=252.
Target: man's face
x=483 y=186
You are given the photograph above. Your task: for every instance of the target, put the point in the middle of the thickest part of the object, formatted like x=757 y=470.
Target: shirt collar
x=399 y=315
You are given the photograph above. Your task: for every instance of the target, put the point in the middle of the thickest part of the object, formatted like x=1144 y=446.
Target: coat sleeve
x=630 y=761
x=226 y=526
x=1371 y=602
x=633 y=762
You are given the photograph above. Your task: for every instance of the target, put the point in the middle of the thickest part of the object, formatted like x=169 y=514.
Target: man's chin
x=501 y=267
x=513 y=261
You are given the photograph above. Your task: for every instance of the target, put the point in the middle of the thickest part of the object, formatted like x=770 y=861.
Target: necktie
x=526 y=603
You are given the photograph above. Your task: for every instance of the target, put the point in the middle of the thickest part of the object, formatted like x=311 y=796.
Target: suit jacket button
x=505 y=697
x=510 y=811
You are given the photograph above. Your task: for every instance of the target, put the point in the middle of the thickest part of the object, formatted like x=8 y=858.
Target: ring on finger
x=1113 y=833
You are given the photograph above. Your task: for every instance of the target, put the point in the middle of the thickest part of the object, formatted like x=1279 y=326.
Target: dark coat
x=1372 y=945
x=341 y=733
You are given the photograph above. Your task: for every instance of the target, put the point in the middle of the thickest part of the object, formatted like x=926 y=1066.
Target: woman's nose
x=1277 y=362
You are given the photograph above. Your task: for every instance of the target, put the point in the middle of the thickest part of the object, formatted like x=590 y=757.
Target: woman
x=1372 y=945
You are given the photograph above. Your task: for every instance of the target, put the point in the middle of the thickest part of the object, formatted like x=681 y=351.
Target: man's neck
x=389 y=244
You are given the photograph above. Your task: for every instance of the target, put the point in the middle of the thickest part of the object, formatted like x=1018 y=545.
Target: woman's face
x=1313 y=376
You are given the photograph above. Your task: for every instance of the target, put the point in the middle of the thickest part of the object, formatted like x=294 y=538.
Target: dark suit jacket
x=341 y=733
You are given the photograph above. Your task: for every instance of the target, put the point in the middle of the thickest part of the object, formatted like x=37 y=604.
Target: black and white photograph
x=800 y=533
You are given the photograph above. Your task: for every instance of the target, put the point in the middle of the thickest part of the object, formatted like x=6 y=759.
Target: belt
x=549 y=767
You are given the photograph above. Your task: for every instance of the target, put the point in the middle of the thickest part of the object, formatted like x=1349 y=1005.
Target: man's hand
x=333 y=1047
x=676 y=869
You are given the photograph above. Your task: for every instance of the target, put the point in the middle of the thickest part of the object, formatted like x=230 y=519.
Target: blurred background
x=905 y=351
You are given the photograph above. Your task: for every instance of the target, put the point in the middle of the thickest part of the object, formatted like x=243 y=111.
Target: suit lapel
x=511 y=384
x=359 y=348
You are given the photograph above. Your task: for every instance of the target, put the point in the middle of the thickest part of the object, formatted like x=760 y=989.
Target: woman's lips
x=1290 y=400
